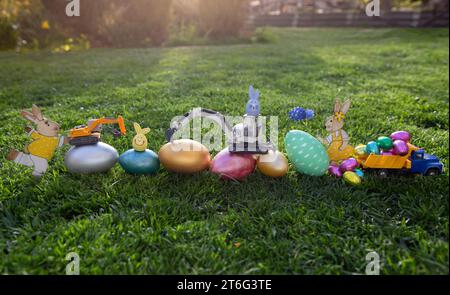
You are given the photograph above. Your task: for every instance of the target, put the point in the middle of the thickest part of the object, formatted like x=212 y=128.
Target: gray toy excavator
x=243 y=137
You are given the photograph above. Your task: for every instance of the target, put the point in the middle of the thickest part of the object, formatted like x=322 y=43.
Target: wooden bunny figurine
x=45 y=141
x=140 y=140
x=337 y=140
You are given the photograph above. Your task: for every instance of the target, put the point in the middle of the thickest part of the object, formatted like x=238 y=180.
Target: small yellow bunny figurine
x=45 y=141
x=140 y=140
x=337 y=140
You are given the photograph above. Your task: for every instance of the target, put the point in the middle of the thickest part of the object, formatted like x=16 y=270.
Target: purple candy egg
x=387 y=153
x=401 y=135
x=400 y=147
x=334 y=170
x=348 y=165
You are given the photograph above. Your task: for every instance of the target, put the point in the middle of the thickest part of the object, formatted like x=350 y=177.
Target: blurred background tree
x=25 y=23
x=116 y=23
x=222 y=19
x=183 y=28
x=205 y=21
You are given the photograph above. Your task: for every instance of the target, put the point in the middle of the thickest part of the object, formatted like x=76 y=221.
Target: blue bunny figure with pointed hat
x=252 y=108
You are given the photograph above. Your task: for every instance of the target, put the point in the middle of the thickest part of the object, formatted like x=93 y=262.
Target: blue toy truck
x=416 y=161
x=425 y=164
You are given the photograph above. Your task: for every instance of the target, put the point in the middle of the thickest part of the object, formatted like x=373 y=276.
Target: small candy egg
x=384 y=142
x=348 y=165
x=401 y=135
x=400 y=147
x=359 y=172
x=334 y=171
x=372 y=148
x=360 y=150
x=388 y=153
x=352 y=178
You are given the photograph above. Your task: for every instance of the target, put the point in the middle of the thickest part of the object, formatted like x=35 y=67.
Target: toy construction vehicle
x=90 y=134
x=416 y=161
x=242 y=138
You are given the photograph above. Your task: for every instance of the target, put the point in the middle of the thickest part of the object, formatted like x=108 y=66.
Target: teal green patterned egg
x=306 y=153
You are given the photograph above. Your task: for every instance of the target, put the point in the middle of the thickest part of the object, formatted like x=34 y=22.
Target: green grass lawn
x=196 y=224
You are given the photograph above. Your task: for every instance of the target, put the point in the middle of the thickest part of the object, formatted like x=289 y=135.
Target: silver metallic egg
x=93 y=158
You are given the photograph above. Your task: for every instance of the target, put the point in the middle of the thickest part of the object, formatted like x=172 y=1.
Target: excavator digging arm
x=119 y=120
x=204 y=113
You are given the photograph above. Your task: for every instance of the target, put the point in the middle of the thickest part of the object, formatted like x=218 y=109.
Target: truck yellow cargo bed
x=385 y=162
x=388 y=161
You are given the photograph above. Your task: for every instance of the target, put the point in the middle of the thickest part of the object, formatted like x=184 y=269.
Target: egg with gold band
x=273 y=164
x=184 y=156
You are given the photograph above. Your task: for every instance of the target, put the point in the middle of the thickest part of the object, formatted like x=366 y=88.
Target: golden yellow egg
x=184 y=156
x=273 y=164
x=352 y=178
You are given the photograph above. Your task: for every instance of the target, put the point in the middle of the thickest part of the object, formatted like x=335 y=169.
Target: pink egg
x=232 y=165
x=401 y=135
x=400 y=147
x=348 y=165
x=387 y=153
x=334 y=170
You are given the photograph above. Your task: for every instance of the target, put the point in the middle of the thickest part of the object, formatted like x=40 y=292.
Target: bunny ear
x=254 y=95
x=29 y=116
x=337 y=106
x=145 y=130
x=37 y=112
x=250 y=91
x=137 y=127
x=346 y=106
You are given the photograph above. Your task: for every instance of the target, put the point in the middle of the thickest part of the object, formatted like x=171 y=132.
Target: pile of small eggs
x=396 y=144
x=348 y=170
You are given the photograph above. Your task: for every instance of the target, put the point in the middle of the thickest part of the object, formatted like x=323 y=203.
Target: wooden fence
x=391 y=19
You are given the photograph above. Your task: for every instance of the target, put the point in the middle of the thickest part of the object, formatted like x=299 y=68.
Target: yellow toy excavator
x=90 y=134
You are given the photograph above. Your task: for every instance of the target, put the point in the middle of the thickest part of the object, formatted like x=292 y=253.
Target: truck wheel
x=383 y=173
x=432 y=171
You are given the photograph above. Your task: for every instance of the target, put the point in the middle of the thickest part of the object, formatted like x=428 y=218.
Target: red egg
x=233 y=166
x=401 y=135
x=348 y=165
x=334 y=170
x=400 y=148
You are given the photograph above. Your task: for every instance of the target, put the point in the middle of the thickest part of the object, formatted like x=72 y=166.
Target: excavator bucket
x=121 y=124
